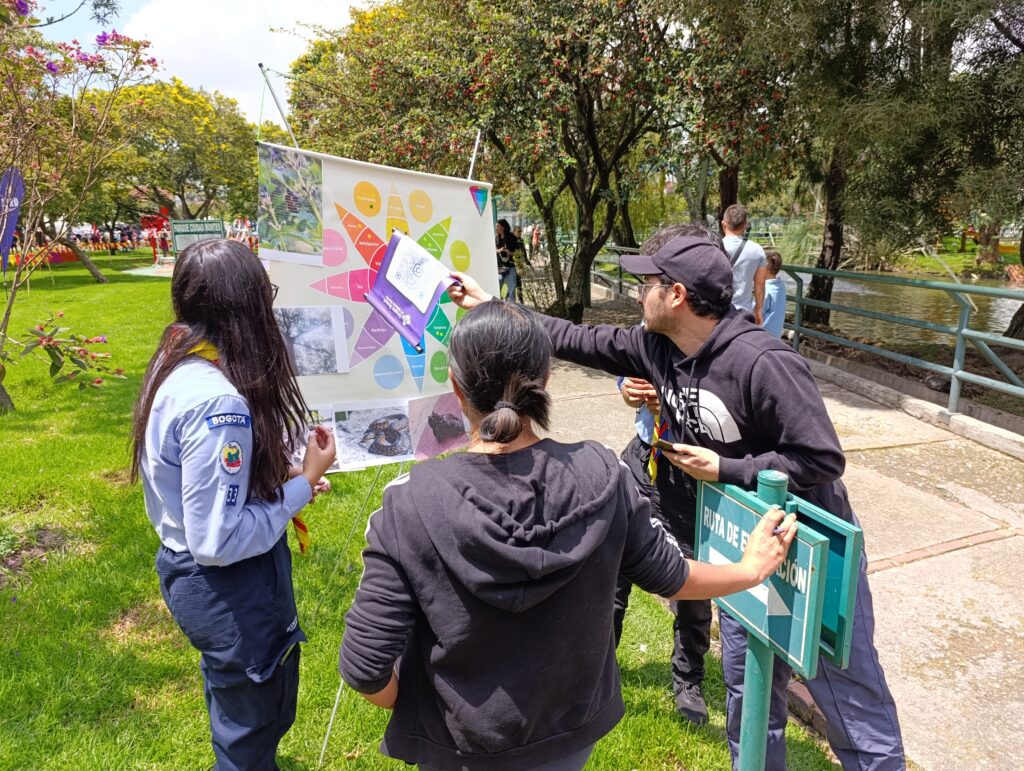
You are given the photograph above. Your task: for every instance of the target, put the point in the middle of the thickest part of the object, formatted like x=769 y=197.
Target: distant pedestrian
x=747 y=259
x=165 y=244
x=774 y=295
x=505 y=245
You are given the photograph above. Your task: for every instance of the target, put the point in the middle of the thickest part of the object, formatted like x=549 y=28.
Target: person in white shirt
x=749 y=269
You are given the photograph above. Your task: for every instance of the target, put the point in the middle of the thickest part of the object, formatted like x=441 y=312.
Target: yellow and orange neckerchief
x=660 y=428
x=207 y=350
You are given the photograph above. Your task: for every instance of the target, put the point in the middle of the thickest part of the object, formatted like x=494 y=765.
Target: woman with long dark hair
x=209 y=442
x=490 y=575
x=506 y=244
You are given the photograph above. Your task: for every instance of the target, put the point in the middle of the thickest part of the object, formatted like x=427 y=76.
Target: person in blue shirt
x=774 y=296
x=209 y=440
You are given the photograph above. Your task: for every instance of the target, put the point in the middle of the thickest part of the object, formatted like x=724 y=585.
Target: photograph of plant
x=290 y=195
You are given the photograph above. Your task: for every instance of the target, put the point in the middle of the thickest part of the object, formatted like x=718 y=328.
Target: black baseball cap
x=692 y=261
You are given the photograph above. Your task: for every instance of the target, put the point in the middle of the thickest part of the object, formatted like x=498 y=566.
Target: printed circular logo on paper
x=231 y=457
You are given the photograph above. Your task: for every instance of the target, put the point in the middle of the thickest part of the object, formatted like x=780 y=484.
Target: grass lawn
x=961 y=263
x=93 y=671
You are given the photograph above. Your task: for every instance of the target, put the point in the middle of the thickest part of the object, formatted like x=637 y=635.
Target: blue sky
x=214 y=44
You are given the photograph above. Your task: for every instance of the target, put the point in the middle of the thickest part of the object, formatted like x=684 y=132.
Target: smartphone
x=661 y=444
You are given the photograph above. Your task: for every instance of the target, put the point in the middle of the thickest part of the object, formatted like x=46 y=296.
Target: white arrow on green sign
x=784 y=612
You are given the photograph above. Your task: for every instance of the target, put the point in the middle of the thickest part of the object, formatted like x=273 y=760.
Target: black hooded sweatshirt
x=493 y=578
x=744 y=394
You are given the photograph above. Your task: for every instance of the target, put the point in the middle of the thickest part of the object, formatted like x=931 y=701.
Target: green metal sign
x=805 y=608
x=842 y=570
x=185 y=232
x=785 y=611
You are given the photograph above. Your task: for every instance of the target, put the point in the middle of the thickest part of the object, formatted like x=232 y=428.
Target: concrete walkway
x=944 y=526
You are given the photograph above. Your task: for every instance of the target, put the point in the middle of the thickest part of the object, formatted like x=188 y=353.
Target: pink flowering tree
x=62 y=115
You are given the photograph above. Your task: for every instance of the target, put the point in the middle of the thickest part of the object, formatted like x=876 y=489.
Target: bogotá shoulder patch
x=231 y=457
x=226 y=419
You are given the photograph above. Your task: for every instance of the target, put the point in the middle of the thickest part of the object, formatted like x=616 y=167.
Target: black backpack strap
x=739 y=249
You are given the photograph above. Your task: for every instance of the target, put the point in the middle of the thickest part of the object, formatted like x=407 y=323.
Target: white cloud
x=217 y=44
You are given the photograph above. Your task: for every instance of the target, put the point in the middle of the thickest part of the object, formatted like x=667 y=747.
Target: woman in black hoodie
x=489 y=577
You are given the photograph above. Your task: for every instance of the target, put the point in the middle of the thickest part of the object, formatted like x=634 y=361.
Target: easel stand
x=359 y=517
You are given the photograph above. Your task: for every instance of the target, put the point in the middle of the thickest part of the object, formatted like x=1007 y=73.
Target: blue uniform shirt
x=774 y=310
x=195 y=471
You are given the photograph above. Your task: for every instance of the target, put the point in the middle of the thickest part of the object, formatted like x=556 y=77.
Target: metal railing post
x=797 y=310
x=960 y=351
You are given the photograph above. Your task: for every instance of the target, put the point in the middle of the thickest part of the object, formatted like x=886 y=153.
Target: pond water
x=937 y=306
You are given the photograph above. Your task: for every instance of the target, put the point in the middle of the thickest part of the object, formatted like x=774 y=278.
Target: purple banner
x=12 y=188
x=407 y=288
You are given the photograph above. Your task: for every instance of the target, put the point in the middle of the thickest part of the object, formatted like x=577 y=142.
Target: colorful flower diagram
x=351 y=285
x=324 y=226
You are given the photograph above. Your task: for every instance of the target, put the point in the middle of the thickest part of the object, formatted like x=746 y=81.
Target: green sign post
x=185 y=232
x=805 y=609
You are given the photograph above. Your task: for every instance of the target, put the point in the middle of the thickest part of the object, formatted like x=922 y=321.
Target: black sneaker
x=690 y=704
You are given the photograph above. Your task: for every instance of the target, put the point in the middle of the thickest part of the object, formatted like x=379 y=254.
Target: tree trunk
x=1016 y=328
x=579 y=279
x=832 y=243
x=588 y=245
x=696 y=195
x=963 y=240
x=88 y=263
x=547 y=215
x=6 y=404
x=624 y=232
x=728 y=188
x=988 y=242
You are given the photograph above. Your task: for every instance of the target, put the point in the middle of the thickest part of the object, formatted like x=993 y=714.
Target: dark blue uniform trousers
x=242 y=619
x=248 y=721
x=674 y=504
x=862 y=726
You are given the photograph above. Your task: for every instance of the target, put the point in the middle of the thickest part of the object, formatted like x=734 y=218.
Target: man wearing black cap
x=740 y=401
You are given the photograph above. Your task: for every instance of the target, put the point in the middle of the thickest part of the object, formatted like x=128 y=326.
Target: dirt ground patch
x=35 y=546
x=118 y=478
x=148 y=624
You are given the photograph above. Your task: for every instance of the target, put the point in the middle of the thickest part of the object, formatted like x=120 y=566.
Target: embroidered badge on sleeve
x=232 y=497
x=231 y=457
x=228 y=419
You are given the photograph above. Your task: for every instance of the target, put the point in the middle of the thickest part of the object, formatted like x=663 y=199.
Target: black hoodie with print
x=744 y=394
x=492 y=578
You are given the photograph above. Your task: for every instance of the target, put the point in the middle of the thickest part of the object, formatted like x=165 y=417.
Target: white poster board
x=324 y=226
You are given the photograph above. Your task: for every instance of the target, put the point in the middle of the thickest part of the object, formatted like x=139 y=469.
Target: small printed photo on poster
x=315 y=338
x=318 y=416
x=372 y=434
x=437 y=426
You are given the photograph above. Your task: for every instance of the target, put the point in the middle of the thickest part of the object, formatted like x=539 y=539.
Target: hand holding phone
x=699 y=462
x=661 y=444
